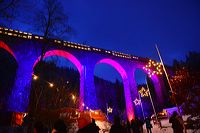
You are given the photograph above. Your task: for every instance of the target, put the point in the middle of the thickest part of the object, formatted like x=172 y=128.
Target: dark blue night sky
x=135 y=26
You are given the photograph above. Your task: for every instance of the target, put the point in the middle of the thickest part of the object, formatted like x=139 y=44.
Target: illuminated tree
x=186 y=83
x=51 y=21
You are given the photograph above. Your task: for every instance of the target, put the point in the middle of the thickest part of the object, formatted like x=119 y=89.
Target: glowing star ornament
x=137 y=102
x=153 y=68
x=143 y=92
x=109 y=110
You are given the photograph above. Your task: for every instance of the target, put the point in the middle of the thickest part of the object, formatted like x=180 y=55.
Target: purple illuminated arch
x=5 y=47
x=127 y=94
x=76 y=62
x=156 y=83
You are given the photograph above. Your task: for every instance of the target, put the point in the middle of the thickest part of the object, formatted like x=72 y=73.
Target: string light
x=153 y=68
x=137 y=102
x=26 y=35
x=143 y=92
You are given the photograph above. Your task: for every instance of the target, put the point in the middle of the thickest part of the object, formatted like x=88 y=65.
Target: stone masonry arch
x=76 y=62
x=127 y=93
x=5 y=47
x=156 y=84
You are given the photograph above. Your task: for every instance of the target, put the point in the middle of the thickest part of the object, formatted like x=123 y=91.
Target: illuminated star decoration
x=109 y=110
x=137 y=102
x=153 y=68
x=143 y=92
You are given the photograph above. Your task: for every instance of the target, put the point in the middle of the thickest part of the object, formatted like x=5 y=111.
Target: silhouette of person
x=136 y=125
x=91 y=128
x=128 y=127
x=148 y=125
x=117 y=127
x=177 y=123
x=140 y=124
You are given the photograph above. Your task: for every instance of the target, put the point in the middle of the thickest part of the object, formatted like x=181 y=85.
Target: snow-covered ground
x=105 y=127
x=166 y=127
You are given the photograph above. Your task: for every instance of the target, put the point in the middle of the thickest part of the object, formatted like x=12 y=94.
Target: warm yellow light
x=35 y=77
x=73 y=97
x=96 y=112
x=143 y=92
x=51 y=84
x=109 y=110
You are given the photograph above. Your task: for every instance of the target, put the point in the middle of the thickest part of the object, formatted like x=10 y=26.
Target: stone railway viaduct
x=25 y=48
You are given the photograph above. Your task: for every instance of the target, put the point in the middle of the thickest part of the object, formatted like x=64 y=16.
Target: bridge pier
x=19 y=98
x=90 y=97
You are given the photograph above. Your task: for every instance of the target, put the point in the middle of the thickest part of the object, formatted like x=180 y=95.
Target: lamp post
x=139 y=102
x=167 y=78
x=151 y=101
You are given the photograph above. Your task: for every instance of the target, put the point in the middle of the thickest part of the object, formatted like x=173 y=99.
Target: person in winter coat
x=177 y=123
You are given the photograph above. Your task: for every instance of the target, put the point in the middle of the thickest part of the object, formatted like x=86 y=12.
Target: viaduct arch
x=76 y=62
x=27 y=50
x=127 y=92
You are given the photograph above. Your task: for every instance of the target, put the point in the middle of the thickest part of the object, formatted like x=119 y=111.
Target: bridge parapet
x=26 y=35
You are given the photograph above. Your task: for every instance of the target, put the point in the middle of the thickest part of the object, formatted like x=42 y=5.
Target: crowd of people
x=135 y=126
x=177 y=123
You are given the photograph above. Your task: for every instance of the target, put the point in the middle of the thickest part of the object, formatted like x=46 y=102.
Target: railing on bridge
x=25 y=35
